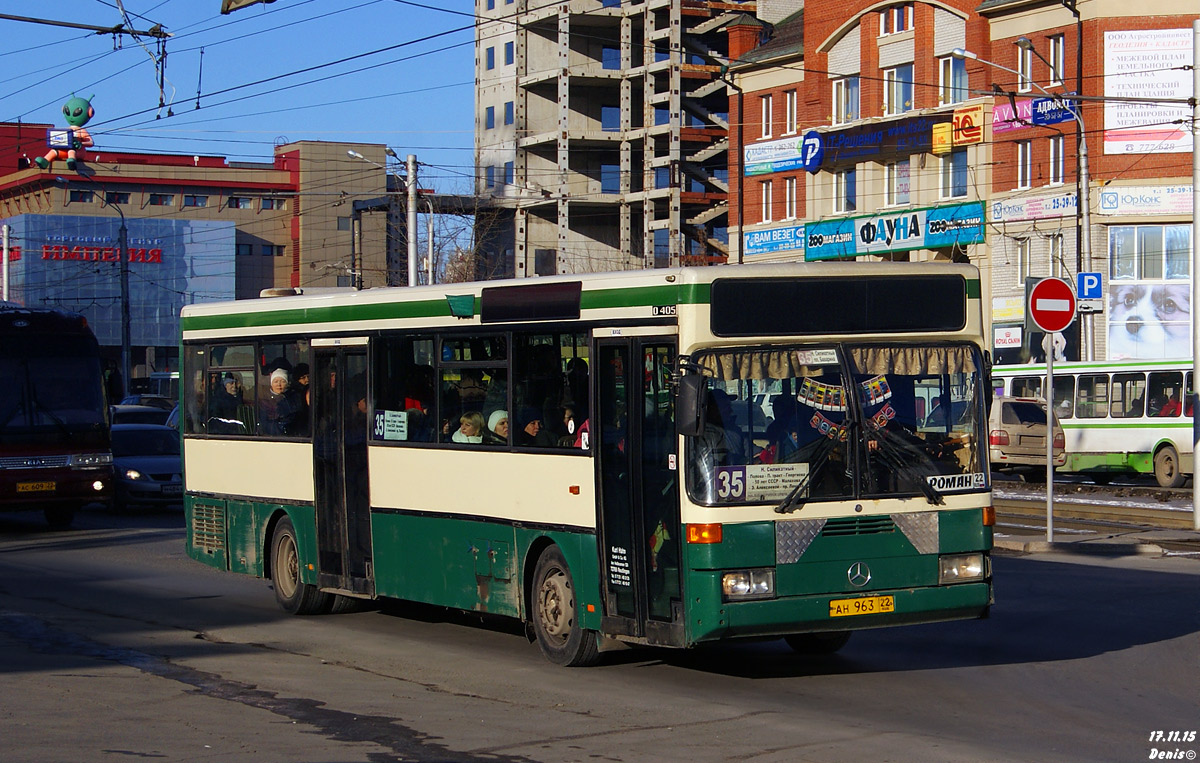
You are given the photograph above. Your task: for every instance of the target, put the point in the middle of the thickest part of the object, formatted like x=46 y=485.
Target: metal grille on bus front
x=858 y=526
x=34 y=462
x=208 y=527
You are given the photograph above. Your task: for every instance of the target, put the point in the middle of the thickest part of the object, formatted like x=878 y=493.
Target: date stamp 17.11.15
x=1165 y=745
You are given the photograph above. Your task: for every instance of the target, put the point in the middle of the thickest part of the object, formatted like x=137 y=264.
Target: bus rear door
x=343 y=508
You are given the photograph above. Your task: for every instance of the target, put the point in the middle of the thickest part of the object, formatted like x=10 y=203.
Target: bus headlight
x=133 y=474
x=748 y=584
x=89 y=460
x=961 y=568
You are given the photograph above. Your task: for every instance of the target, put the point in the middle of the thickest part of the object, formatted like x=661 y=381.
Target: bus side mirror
x=689 y=405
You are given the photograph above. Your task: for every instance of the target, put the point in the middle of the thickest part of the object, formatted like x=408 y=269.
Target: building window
x=81 y=197
x=954 y=174
x=845 y=191
x=489 y=176
x=490 y=59
x=610 y=178
x=162 y=199
x=116 y=197
x=239 y=202
x=952 y=84
x=508 y=112
x=491 y=5
x=1058 y=52
x=766 y=102
x=1058 y=268
x=898 y=89
x=897 y=183
x=789 y=202
x=195 y=201
x=610 y=57
x=273 y=250
x=1024 y=70
x=1024 y=164
x=845 y=100
x=610 y=118
x=790 y=114
x=1056 y=159
x=1149 y=252
x=898 y=18
x=245 y=250
x=343 y=223
x=765 y=188
x=508 y=54
x=489 y=118
x=270 y=203
x=1023 y=270
x=508 y=173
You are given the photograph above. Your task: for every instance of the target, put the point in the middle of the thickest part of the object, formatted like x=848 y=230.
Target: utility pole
x=412 y=219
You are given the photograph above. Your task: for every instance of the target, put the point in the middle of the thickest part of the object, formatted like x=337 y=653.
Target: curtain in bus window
x=913 y=361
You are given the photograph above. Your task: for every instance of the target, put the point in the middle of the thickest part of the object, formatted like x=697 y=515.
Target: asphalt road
x=113 y=645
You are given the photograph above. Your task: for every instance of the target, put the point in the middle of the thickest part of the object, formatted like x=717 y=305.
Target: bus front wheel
x=818 y=643
x=293 y=594
x=555 y=619
x=1166 y=468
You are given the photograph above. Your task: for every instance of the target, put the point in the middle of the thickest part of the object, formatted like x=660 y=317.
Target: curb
x=1079 y=547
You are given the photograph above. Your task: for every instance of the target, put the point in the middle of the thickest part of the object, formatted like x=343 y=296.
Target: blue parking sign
x=1089 y=286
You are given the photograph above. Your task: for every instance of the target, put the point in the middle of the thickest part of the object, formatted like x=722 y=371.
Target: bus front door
x=638 y=470
x=343 y=509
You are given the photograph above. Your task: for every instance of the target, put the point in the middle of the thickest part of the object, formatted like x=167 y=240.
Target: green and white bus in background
x=663 y=457
x=1118 y=417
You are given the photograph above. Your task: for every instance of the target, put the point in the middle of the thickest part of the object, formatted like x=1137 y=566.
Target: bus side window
x=1092 y=400
x=1165 y=391
x=1064 y=397
x=1128 y=395
x=1189 y=396
x=1027 y=386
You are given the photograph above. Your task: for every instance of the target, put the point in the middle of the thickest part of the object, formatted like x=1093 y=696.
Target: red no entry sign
x=1051 y=305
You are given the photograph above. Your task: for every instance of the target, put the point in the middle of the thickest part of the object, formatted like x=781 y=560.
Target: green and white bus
x=1118 y=417
x=690 y=455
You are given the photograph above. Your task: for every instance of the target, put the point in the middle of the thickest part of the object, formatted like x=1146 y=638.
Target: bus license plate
x=35 y=487
x=864 y=605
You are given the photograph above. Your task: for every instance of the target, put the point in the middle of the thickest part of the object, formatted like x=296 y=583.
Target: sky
x=396 y=72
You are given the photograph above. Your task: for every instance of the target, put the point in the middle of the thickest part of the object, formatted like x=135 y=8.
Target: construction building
x=602 y=133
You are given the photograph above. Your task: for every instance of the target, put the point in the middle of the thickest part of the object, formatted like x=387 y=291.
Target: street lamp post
x=412 y=192
x=1084 y=200
x=123 y=257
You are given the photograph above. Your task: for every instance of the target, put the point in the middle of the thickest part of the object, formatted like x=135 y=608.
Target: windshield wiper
x=896 y=453
x=798 y=495
x=62 y=425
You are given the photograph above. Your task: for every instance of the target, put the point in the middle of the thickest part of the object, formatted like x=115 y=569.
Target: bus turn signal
x=704 y=533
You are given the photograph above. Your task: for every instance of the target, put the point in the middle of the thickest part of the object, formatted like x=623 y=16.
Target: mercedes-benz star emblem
x=859 y=574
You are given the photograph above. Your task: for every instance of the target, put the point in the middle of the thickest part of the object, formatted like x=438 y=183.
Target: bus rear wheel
x=293 y=594
x=555 y=618
x=1166 y=468
x=818 y=643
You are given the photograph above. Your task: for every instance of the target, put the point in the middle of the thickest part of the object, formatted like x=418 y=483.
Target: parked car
x=154 y=401
x=148 y=463
x=137 y=414
x=1017 y=436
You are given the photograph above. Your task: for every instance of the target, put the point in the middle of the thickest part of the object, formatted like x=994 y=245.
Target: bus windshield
x=789 y=425
x=52 y=390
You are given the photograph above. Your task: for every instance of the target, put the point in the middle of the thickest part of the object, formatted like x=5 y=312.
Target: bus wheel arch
x=554 y=613
x=1167 y=469
x=283 y=562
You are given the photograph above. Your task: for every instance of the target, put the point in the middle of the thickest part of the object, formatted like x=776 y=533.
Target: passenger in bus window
x=531 y=433
x=277 y=408
x=1170 y=407
x=470 y=428
x=497 y=431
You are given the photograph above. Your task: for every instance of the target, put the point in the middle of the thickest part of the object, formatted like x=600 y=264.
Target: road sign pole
x=1050 y=437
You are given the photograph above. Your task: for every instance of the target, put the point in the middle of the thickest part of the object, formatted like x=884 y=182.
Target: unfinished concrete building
x=602 y=134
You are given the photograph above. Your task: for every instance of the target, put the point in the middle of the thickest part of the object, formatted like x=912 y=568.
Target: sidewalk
x=1149 y=541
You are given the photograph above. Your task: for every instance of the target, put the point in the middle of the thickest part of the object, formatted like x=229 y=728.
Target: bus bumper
x=803 y=614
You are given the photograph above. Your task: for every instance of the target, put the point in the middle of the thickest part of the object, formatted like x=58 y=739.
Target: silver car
x=148 y=464
x=1017 y=436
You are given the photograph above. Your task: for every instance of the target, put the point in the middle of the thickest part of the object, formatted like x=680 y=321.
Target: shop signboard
x=1151 y=64
x=1146 y=200
x=773 y=240
x=874 y=141
x=1033 y=207
x=897 y=231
